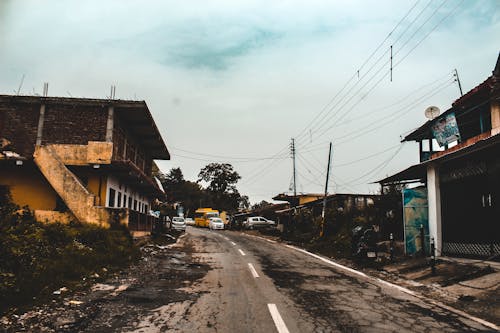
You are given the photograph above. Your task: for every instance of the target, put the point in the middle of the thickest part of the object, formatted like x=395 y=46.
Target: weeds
x=37 y=258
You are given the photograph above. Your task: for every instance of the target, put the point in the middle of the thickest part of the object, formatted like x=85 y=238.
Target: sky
x=235 y=81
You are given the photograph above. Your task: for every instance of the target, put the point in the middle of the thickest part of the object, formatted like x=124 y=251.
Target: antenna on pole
x=45 y=89
x=113 y=92
x=20 y=85
x=458 y=80
x=322 y=231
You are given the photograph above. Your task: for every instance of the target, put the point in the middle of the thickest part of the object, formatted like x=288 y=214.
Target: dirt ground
x=119 y=302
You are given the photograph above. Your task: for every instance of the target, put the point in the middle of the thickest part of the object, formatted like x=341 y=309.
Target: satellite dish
x=432 y=112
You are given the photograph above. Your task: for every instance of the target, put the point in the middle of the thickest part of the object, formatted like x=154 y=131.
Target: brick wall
x=18 y=124
x=64 y=124
x=69 y=124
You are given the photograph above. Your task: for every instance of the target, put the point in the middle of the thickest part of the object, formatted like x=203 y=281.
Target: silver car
x=258 y=222
x=178 y=223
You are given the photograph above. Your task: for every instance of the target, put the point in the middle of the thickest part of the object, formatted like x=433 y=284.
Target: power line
x=357 y=72
x=228 y=157
x=407 y=41
x=376 y=169
x=385 y=119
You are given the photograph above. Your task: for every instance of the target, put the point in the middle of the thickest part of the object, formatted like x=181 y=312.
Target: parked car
x=216 y=223
x=178 y=223
x=258 y=222
x=189 y=221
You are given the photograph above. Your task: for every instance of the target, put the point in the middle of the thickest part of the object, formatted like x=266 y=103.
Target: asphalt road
x=226 y=281
x=285 y=290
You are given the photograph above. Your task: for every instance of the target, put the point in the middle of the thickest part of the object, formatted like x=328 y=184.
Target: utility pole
x=458 y=80
x=322 y=231
x=292 y=149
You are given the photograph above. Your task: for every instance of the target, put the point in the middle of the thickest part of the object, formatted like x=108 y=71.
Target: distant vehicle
x=258 y=222
x=189 y=221
x=178 y=223
x=202 y=216
x=216 y=223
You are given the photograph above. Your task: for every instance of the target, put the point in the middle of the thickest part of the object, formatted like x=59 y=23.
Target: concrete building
x=463 y=177
x=81 y=159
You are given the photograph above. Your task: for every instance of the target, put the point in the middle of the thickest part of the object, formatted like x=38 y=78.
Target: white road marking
x=242 y=253
x=402 y=289
x=252 y=269
x=278 y=321
x=233 y=243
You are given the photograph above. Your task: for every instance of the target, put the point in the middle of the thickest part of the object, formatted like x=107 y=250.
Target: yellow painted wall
x=93 y=187
x=28 y=187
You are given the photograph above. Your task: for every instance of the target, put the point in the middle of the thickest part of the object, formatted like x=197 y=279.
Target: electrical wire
x=358 y=71
x=407 y=41
x=376 y=169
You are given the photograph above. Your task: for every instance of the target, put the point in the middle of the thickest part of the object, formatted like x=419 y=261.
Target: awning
x=414 y=174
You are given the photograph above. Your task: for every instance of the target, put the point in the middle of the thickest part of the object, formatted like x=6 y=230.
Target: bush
x=37 y=258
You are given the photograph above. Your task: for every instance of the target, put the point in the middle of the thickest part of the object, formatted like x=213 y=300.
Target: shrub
x=37 y=258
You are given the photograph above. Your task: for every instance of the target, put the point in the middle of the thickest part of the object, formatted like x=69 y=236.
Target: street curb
x=391 y=285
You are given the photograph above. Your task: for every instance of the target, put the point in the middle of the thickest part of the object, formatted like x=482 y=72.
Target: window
x=111 y=200
x=130 y=202
x=146 y=209
x=124 y=200
x=135 y=204
x=119 y=200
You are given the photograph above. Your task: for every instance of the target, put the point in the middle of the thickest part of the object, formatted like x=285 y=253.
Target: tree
x=172 y=183
x=244 y=202
x=261 y=205
x=221 y=179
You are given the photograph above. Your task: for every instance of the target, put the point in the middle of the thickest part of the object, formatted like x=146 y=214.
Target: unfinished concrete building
x=81 y=159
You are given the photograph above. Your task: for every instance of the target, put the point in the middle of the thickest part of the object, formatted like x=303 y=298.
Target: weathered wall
x=68 y=124
x=19 y=123
x=28 y=187
x=93 y=152
x=97 y=186
x=50 y=216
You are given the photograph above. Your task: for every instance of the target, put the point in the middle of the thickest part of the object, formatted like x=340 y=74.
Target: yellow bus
x=203 y=215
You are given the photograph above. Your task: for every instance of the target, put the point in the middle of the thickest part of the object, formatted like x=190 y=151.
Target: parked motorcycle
x=364 y=242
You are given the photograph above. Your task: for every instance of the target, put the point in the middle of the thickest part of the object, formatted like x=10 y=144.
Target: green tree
x=221 y=179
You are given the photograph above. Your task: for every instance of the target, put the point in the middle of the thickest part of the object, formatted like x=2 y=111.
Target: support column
x=109 y=125
x=41 y=120
x=434 y=202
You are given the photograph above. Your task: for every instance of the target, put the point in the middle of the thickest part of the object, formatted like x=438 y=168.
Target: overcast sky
x=234 y=81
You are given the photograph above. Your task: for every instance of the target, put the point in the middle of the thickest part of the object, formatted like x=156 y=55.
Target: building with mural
x=462 y=177
x=81 y=159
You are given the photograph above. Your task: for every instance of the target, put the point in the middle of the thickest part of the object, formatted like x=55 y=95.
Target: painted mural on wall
x=415 y=215
x=445 y=129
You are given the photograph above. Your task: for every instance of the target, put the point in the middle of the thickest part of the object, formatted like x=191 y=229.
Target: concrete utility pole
x=292 y=148
x=322 y=231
